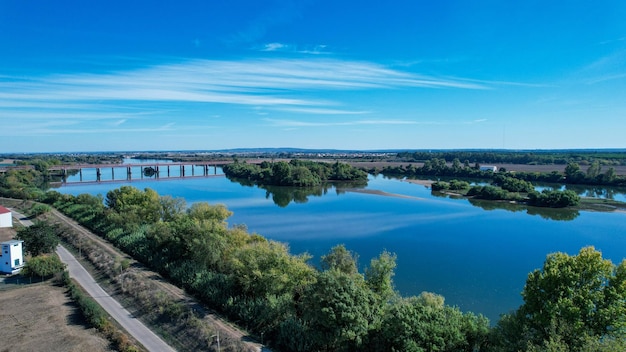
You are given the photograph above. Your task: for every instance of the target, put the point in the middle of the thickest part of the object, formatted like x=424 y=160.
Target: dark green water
x=477 y=257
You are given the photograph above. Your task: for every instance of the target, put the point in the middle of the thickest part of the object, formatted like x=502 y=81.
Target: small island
x=511 y=189
x=296 y=173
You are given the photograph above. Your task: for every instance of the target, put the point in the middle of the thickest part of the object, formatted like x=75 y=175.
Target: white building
x=5 y=217
x=489 y=168
x=11 y=256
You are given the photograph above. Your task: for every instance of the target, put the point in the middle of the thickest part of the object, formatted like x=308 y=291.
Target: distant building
x=489 y=168
x=6 y=220
x=11 y=256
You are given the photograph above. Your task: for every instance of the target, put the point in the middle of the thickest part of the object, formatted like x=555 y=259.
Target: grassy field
x=40 y=317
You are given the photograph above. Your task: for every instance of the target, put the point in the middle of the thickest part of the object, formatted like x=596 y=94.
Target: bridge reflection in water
x=89 y=173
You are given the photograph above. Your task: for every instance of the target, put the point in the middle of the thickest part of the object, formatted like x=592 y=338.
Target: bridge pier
x=126 y=170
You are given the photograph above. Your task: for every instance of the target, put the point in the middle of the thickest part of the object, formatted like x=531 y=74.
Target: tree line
x=513 y=157
x=298 y=173
x=573 y=173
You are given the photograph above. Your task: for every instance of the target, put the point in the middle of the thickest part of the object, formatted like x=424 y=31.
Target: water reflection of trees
x=284 y=195
x=597 y=191
x=587 y=190
x=546 y=213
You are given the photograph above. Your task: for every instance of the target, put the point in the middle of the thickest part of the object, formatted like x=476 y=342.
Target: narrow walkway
x=133 y=326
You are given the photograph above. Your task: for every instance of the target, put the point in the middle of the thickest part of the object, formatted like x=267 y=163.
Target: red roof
x=4 y=210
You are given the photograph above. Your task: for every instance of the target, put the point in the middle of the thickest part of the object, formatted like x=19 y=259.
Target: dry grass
x=40 y=317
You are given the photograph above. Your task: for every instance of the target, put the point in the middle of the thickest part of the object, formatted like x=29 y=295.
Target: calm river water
x=478 y=258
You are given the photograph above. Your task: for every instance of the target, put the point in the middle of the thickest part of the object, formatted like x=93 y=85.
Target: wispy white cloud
x=606 y=68
x=320 y=111
x=297 y=123
x=273 y=47
x=477 y=121
x=288 y=85
x=288 y=48
x=40 y=129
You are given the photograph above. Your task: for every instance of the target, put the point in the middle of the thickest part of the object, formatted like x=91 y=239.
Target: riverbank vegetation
x=537 y=157
x=574 y=303
x=296 y=307
x=297 y=173
x=505 y=188
x=572 y=174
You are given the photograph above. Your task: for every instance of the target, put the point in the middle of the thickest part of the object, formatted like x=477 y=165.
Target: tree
x=281 y=171
x=609 y=176
x=39 y=238
x=135 y=206
x=43 y=266
x=425 y=323
x=594 y=170
x=341 y=259
x=574 y=297
x=338 y=311
x=573 y=173
x=553 y=198
x=379 y=276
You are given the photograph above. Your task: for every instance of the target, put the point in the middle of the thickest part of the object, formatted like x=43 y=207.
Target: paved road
x=133 y=326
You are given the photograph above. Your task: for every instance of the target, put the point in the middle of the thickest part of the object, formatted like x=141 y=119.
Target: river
x=477 y=257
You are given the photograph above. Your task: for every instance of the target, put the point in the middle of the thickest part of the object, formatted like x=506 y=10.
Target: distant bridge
x=89 y=173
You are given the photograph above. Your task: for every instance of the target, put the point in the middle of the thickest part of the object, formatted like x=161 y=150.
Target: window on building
x=17 y=262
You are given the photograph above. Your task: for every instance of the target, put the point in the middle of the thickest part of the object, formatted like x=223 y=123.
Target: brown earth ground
x=6 y=234
x=40 y=317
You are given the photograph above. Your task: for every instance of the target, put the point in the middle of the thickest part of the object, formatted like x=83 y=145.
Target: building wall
x=12 y=258
x=6 y=220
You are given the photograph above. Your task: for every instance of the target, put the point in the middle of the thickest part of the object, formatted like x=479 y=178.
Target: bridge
x=129 y=172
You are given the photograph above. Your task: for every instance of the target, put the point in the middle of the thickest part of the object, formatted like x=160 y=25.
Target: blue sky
x=206 y=75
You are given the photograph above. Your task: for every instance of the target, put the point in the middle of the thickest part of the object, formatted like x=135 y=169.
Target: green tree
x=573 y=173
x=594 y=170
x=39 y=238
x=421 y=324
x=135 y=206
x=576 y=296
x=43 y=266
x=337 y=310
x=609 y=176
x=379 y=275
x=281 y=172
x=171 y=207
x=341 y=259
